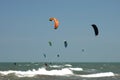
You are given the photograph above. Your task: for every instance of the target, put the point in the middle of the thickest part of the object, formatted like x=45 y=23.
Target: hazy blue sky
x=25 y=30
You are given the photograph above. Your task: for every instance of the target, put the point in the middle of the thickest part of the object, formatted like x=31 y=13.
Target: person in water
x=46 y=64
x=15 y=63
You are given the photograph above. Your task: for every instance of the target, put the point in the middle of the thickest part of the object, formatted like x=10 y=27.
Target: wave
x=55 y=72
x=104 y=74
x=58 y=70
x=40 y=71
x=76 y=69
x=68 y=65
x=55 y=66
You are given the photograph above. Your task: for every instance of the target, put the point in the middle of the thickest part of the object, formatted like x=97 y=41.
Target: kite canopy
x=50 y=43
x=65 y=44
x=56 y=22
x=58 y=55
x=44 y=55
x=95 y=29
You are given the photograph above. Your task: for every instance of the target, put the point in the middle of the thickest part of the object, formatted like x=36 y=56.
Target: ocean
x=59 y=71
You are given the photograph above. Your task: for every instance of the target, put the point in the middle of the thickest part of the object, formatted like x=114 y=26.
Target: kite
x=56 y=22
x=65 y=44
x=95 y=29
x=50 y=43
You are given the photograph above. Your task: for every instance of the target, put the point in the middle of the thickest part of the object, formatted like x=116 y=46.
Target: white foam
x=40 y=71
x=68 y=65
x=56 y=66
x=105 y=74
x=76 y=69
x=55 y=72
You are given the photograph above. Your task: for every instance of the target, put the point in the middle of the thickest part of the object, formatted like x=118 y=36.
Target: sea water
x=60 y=71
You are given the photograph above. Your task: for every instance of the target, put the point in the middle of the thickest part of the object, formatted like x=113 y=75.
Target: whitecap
x=68 y=65
x=55 y=66
x=76 y=69
x=40 y=71
x=104 y=74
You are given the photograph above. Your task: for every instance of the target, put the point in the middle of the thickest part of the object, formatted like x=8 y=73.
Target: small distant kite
x=83 y=50
x=95 y=29
x=56 y=22
x=44 y=55
x=65 y=44
x=58 y=55
x=50 y=43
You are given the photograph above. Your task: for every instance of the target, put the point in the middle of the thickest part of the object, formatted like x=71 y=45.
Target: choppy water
x=60 y=71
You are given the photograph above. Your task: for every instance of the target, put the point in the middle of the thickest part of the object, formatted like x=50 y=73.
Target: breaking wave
x=104 y=74
x=55 y=72
x=40 y=71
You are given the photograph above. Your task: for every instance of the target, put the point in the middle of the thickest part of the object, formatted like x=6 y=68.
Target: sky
x=25 y=30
